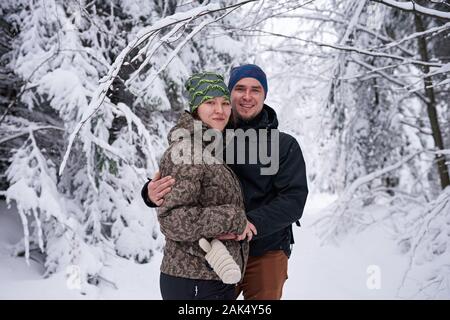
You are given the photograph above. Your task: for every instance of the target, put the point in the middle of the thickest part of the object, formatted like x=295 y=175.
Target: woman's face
x=215 y=112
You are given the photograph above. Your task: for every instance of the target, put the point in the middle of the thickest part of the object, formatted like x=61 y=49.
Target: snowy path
x=315 y=272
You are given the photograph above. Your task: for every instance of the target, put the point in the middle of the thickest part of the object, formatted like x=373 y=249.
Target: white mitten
x=220 y=259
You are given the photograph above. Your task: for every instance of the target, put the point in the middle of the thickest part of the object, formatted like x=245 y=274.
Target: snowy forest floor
x=315 y=271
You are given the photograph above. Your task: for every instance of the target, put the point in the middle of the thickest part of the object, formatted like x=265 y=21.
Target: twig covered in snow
x=28 y=85
x=21 y=133
x=336 y=220
x=354 y=49
x=353 y=21
x=444 y=69
x=421 y=130
x=412 y=6
x=389 y=78
x=172 y=55
x=359 y=27
x=435 y=31
x=427 y=239
x=444 y=151
x=351 y=190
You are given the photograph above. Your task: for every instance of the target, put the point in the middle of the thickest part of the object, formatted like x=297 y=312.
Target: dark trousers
x=175 y=288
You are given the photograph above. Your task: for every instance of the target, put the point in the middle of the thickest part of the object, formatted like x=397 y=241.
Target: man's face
x=247 y=98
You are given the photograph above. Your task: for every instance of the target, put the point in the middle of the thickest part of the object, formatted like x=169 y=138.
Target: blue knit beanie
x=248 y=71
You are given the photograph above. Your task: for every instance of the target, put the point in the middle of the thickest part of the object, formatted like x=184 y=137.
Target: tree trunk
x=431 y=105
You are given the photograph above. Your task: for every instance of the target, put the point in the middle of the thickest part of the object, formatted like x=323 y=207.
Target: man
x=272 y=202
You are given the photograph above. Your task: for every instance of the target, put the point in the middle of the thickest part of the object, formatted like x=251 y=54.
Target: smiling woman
x=205 y=202
x=215 y=112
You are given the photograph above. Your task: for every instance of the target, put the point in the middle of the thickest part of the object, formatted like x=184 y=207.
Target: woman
x=205 y=202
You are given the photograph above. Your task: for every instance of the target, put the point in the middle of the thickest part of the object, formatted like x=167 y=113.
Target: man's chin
x=246 y=117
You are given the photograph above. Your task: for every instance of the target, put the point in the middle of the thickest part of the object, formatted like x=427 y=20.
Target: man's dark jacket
x=272 y=202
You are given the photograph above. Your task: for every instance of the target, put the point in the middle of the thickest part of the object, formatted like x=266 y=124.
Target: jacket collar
x=266 y=119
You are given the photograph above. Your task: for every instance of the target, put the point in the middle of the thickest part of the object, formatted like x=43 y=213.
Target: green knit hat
x=205 y=86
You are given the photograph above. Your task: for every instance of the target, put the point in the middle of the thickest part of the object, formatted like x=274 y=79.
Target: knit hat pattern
x=205 y=86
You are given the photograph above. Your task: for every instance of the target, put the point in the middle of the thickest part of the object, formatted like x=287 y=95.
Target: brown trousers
x=264 y=276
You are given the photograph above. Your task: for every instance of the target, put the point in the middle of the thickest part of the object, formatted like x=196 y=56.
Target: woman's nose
x=218 y=108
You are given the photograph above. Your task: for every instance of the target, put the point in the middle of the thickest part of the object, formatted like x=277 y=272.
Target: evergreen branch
x=21 y=133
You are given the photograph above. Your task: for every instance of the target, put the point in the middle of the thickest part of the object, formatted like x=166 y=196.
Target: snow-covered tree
x=359 y=106
x=103 y=129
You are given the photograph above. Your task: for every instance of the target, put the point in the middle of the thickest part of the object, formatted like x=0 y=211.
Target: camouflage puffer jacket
x=206 y=201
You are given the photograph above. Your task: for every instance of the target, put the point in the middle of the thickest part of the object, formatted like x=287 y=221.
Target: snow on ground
x=20 y=281
x=315 y=271
x=346 y=271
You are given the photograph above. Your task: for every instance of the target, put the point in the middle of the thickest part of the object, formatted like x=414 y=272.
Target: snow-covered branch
x=351 y=190
x=354 y=49
x=341 y=213
x=358 y=26
x=439 y=71
x=275 y=14
x=444 y=151
x=389 y=78
x=145 y=35
x=172 y=55
x=429 y=243
x=435 y=30
x=421 y=130
x=21 y=133
x=353 y=21
x=412 y=6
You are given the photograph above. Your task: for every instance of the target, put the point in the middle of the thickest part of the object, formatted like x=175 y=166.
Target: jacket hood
x=186 y=122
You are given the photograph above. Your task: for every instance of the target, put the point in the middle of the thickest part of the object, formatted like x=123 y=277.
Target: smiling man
x=273 y=202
